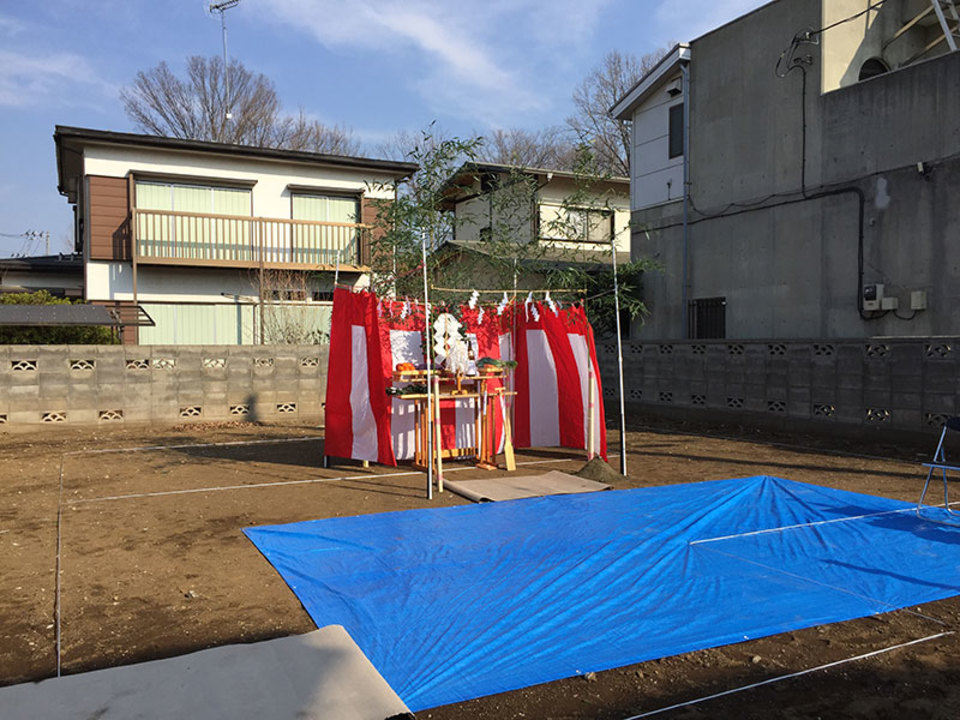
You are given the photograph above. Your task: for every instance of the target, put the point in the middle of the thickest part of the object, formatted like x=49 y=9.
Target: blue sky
x=374 y=66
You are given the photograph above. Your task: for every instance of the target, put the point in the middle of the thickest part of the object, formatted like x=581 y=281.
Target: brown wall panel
x=109 y=221
x=368 y=216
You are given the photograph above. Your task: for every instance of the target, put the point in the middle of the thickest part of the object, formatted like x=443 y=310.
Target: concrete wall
x=111 y=385
x=902 y=385
x=788 y=263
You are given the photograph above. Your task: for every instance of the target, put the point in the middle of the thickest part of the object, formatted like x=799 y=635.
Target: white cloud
x=10 y=27
x=65 y=78
x=467 y=63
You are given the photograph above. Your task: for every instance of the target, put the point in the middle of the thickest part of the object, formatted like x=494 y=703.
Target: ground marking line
x=194 y=445
x=836 y=588
x=58 y=563
x=307 y=481
x=789 y=676
x=801 y=525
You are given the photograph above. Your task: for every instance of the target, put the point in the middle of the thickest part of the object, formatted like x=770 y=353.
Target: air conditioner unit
x=872 y=296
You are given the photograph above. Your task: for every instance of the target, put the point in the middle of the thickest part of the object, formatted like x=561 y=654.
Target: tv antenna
x=222 y=7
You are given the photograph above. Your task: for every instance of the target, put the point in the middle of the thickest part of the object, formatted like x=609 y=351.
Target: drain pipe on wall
x=685 y=74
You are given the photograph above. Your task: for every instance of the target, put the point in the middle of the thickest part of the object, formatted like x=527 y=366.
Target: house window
x=186 y=198
x=326 y=208
x=575 y=224
x=185 y=221
x=707 y=318
x=336 y=239
x=676 y=130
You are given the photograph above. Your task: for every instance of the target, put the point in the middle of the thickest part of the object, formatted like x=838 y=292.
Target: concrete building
x=220 y=244
x=819 y=141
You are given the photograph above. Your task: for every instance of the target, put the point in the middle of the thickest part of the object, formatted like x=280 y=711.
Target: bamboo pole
x=623 y=412
x=428 y=354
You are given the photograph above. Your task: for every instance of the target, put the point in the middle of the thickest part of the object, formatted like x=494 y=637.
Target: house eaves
x=650 y=82
x=73 y=139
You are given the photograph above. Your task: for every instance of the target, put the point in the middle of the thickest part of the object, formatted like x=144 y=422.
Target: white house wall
x=655 y=177
x=271 y=195
x=108 y=281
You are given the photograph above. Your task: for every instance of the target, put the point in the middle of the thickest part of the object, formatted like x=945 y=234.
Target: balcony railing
x=227 y=240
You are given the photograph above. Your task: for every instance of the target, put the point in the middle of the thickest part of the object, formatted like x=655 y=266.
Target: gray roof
x=63 y=315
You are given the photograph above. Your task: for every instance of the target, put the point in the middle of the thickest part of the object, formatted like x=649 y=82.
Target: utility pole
x=222 y=7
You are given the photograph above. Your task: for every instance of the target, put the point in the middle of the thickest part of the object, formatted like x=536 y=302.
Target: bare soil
x=153 y=564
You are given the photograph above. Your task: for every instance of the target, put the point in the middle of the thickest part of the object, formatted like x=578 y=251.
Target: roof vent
x=675 y=88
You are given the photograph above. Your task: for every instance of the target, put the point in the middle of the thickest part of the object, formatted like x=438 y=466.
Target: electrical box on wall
x=872 y=296
x=918 y=300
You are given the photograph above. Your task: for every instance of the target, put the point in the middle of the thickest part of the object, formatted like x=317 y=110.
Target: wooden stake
x=591 y=410
x=438 y=436
x=508 y=440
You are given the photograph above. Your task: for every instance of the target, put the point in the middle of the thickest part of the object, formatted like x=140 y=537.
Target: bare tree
x=196 y=108
x=596 y=94
x=302 y=133
x=549 y=148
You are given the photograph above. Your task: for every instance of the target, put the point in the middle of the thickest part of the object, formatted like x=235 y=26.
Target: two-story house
x=213 y=240
x=571 y=218
x=794 y=172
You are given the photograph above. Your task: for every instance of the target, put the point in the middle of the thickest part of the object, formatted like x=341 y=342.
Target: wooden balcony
x=178 y=238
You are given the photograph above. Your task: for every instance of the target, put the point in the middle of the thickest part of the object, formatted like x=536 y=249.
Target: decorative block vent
x=776 y=406
x=138 y=364
x=214 y=363
x=287 y=407
x=698 y=400
x=635 y=394
x=824 y=410
x=823 y=349
x=665 y=397
x=164 y=363
x=698 y=349
x=734 y=402
x=610 y=349
x=935 y=420
x=23 y=365
x=110 y=415
x=735 y=349
x=877 y=415
x=635 y=348
x=83 y=365
x=309 y=362
x=666 y=349
x=3 y=418
x=776 y=349
x=191 y=411
x=54 y=417
x=876 y=350
x=935 y=350
x=239 y=409
x=609 y=392
x=263 y=362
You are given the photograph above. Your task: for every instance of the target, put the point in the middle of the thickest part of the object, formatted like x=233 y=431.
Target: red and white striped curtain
x=556 y=358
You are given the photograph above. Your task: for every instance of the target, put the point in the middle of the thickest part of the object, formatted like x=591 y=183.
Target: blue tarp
x=455 y=603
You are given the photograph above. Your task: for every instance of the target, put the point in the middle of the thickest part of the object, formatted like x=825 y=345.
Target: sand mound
x=599 y=471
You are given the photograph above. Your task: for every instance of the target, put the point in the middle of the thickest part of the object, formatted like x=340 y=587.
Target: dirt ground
x=153 y=564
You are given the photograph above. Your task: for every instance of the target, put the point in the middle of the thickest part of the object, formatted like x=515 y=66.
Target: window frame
x=675 y=131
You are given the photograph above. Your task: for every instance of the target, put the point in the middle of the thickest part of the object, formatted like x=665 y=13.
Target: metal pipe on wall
x=685 y=74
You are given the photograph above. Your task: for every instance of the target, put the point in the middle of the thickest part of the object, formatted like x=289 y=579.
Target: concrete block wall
x=98 y=385
x=901 y=384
